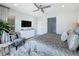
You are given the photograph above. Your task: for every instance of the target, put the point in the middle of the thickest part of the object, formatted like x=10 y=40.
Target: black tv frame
x=25 y=23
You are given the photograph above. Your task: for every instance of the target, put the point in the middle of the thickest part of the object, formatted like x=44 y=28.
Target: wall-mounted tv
x=26 y=23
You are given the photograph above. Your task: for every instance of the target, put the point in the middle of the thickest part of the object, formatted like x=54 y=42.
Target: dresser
x=27 y=33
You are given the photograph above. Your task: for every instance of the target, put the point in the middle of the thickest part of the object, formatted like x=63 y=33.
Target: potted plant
x=4 y=26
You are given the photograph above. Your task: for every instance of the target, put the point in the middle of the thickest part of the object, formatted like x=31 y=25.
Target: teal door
x=51 y=25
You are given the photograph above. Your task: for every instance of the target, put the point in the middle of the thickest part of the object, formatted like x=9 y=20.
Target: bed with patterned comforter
x=45 y=45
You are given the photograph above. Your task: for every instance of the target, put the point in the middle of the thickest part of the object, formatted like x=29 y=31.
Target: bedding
x=73 y=42
x=45 y=45
x=64 y=36
x=72 y=39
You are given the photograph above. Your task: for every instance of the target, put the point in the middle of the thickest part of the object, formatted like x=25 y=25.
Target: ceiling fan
x=41 y=7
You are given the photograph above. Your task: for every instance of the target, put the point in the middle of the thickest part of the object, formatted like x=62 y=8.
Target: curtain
x=4 y=12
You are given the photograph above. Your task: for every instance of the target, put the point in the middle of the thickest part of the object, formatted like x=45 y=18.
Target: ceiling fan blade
x=36 y=5
x=46 y=7
x=42 y=10
x=35 y=10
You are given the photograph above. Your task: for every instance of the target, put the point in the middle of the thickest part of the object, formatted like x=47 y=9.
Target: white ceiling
x=29 y=7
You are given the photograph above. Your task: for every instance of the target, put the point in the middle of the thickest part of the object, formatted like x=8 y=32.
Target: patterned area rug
x=45 y=45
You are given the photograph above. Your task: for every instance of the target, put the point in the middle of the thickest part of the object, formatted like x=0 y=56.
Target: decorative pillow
x=73 y=42
x=13 y=37
x=76 y=30
x=18 y=35
x=64 y=36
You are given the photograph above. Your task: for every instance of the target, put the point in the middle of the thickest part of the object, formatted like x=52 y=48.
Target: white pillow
x=64 y=36
x=73 y=42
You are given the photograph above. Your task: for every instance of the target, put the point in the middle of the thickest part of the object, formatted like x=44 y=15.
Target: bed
x=45 y=45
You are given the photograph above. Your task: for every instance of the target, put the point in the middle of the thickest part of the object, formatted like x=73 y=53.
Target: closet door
x=52 y=25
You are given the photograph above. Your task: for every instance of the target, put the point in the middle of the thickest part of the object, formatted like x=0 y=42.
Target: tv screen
x=26 y=23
